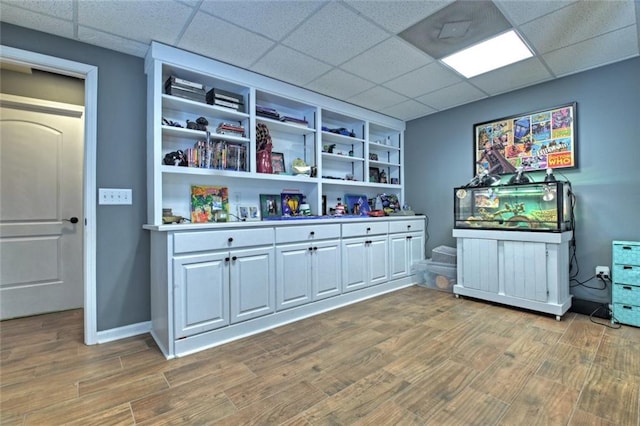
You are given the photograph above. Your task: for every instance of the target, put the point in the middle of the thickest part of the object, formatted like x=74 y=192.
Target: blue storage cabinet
x=625 y=297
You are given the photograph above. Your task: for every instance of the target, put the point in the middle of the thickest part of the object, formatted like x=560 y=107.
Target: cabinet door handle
x=315 y=248
x=627 y=267
x=368 y=229
x=409 y=237
x=626 y=247
x=226 y=259
x=310 y=248
x=230 y=239
x=626 y=307
x=626 y=287
x=408 y=226
x=234 y=258
x=312 y=233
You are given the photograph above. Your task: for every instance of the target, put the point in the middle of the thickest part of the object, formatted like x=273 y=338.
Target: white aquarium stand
x=528 y=270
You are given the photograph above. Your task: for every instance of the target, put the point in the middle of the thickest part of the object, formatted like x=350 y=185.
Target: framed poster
x=534 y=141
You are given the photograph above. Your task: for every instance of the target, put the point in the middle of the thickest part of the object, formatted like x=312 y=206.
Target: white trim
x=123 y=332
x=90 y=74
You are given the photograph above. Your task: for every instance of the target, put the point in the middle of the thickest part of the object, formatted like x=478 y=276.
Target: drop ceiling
x=351 y=50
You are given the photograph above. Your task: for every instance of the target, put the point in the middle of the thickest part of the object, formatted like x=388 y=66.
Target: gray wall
x=122 y=245
x=439 y=156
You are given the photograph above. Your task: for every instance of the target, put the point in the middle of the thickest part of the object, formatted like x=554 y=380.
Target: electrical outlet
x=603 y=272
x=114 y=196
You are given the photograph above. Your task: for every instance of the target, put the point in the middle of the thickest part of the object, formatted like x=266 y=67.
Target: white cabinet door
x=416 y=249
x=201 y=293
x=252 y=282
x=293 y=272
x=354 y=264
x=326 y=270
x=398 y=255
x=365 y=262
x=378 y=260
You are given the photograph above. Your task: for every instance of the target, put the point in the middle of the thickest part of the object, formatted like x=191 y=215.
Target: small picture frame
x=291 y=203
x=374 y=174
x=277 y=163
x=248 y=212
x=270 y=206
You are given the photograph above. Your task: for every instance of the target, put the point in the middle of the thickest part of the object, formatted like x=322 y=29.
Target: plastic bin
x=436 y=275
x=444 y=254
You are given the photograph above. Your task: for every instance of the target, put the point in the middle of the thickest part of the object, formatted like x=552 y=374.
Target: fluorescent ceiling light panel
x=497 y=52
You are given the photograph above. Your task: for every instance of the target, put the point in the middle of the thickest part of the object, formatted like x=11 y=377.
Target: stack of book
x=293 y=120
x=267 y=112
x=225 y=99
x=217 y=154
x=230 y=129
x=185 y=89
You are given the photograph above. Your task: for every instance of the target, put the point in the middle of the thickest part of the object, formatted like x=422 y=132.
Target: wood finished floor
x=412 y=357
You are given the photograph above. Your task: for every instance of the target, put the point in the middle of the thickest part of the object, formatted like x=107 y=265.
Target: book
x=176 y=81
x=209 y=203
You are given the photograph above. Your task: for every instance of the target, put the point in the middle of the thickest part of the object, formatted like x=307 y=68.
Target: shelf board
x=174 y=102
x=362 y=184
x=382 y=164
x=337 y=138
x=281 y=126
x=382 y=146
x=181 y=132
x=344 y=158
x=197 y=171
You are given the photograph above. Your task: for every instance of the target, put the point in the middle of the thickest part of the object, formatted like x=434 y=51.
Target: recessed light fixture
x=497 y=52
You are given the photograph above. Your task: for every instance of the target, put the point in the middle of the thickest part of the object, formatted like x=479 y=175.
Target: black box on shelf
x=225 y=99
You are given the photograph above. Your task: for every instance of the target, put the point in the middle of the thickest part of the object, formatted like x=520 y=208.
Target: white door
x=41 y=175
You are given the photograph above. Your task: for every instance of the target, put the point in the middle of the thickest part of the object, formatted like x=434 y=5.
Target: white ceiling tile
x=512 y=77
x=521 y=11
x=395 y=16
x=578 y=22
x=26 y=18
x=163 y=20
x=377 y=98
x=102 y=39
x=217 y=39
x=289 y=65
x=339 y=84
x=451 y=96
x=62 y=9
x=335 y=34
x=408 y=110
x=424 y=80
x=594 y=52
x=274 y=19
x=387 y=60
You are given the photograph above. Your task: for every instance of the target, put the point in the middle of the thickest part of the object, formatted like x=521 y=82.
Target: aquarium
x=544 y=206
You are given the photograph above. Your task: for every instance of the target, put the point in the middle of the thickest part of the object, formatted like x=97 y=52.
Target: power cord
x=613 y=319
x=583 y=283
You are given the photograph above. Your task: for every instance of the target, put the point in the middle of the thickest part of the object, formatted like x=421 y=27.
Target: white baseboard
x=124 y=332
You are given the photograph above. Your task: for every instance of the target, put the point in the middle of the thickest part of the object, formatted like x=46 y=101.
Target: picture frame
x=534 y=141
x=277 y=163
x=357 y=204
x=291 y=203
x=248 y=212
x=374 y=174
x=270 y=206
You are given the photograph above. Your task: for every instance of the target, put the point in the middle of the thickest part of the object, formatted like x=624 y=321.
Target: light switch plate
x=114 y=196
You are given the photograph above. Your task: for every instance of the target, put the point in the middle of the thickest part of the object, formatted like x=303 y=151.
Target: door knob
x=72 y=220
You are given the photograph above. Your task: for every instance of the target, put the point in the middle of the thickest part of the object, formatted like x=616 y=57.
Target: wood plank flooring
x=412 y=357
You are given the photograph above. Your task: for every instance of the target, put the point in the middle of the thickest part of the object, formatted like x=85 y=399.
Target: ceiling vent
x=459 y=25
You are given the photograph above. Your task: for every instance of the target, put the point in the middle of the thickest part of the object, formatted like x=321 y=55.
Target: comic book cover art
x=209 y=204
x=291 y=203
x=534 y=141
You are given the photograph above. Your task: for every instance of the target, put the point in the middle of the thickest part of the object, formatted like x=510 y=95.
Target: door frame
x=89 y=73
